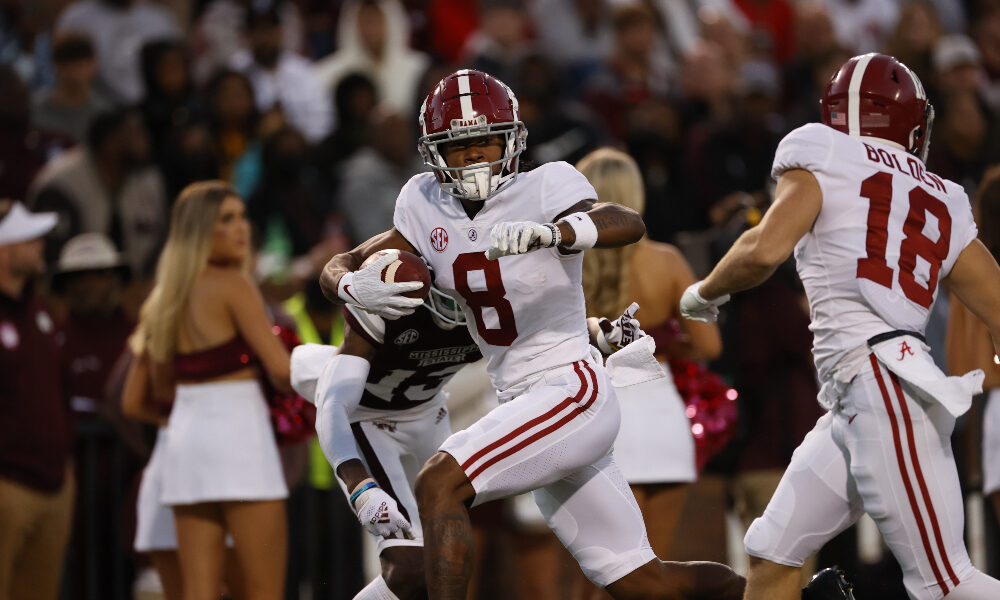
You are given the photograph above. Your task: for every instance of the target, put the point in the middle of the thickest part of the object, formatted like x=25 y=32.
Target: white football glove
x=380 y=515
x=696 y=308
x=519 y=237
x=612 y=336
x=365 y=289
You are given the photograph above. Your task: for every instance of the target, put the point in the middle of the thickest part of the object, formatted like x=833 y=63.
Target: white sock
x=376 y=590
x=979 y=586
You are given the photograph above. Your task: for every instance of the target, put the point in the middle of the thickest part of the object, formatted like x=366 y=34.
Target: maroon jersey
x=414 y=357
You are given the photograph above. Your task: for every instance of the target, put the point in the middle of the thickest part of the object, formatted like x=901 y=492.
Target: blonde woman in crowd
x=654 y=449
x=969 y=343
x=204 y=340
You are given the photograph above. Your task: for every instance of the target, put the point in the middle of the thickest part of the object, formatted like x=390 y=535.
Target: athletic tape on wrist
x=556 y=235
x=361 y=489
x=585 y=230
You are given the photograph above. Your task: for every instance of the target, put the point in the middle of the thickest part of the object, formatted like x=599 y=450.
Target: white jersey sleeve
x=562 y=188
x=807 y=147
x=402 y=218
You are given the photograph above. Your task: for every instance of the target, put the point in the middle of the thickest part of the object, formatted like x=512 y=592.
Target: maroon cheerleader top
x=227 y=357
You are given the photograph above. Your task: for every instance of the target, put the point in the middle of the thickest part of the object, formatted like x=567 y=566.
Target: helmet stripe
x=464 y=98
x=854 y=95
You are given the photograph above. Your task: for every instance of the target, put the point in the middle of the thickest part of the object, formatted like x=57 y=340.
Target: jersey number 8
x=878 y=190
x=492 y=297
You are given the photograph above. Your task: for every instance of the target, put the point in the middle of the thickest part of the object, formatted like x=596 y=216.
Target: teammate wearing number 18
x=874 y=234
x=507 y=246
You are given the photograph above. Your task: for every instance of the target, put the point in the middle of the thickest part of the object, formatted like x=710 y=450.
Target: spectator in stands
x=23 y=148
x=282 y=80
x=733 y=168
x=354 y=101
x=577 y=35
x=639 y=69
x=814 y=40
x=188 y=156
x=371 y=178
x=771 y=22
x=915 y=36
x=90 y=277
x=67 y=107
x=119 y=29
x=965 y=129
x=373 y=38
x=36 y=438
x=218 y=33
x=234 y=122
x=502 y=40
x=863 y=25
x=986 y=32
x=561 y=127
x=170 y=100
x=108 y=186
x=708 y=85
x=291 y=211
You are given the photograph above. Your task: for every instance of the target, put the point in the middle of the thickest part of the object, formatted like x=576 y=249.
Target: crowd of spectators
x=308 y=108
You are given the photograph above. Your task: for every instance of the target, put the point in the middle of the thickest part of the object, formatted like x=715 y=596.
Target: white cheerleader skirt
x=654 y=444
x=154 y=520
x=219 y=446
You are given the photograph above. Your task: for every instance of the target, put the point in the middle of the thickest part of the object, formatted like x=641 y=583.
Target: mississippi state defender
x=507 y=246
x=380 y=415
x=875 y=235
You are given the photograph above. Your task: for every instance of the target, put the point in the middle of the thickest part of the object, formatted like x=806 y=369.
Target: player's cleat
x=829 y=584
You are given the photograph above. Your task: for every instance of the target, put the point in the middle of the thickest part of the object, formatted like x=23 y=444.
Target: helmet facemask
x=478 y=181
x=445 y=310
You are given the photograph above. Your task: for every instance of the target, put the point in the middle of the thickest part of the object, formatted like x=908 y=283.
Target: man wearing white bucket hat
x=36 y=484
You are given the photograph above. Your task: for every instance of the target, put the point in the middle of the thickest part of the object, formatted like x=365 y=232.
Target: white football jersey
x=887 y=233
x=525 y=312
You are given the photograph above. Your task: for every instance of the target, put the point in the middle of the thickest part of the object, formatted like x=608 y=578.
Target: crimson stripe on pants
x=544 y=432
x=906 y=479
x=528 y=425
x=920 y=479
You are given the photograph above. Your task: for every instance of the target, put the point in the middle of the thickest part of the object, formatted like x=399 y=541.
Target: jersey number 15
x=878 y=190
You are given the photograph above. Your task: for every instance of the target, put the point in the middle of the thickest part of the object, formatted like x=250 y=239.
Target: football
x=408 y=267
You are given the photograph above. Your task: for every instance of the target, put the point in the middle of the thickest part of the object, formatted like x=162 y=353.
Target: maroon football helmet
x=469 y=104
x=875 y=95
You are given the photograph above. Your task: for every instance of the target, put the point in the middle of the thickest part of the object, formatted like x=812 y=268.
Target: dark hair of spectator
x=212 y=90
x=348 y=87
x=105 y=125
x=988 y=215
x=152 y=53
x=262 y=17
x=71 y=46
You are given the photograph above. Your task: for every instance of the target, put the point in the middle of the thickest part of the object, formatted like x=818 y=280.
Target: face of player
x=231 y=236
x=476 y=150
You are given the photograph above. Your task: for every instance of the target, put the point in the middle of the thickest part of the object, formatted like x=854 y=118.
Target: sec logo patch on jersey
x=407 y=337
x=439 y=239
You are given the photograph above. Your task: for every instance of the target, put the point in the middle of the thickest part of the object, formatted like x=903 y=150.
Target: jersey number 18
x=878 y=190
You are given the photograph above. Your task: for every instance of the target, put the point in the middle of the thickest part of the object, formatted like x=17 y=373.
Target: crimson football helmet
x=470 y=104
x=876 y=95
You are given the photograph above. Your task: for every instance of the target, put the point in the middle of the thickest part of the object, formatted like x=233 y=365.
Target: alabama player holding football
x=507 y=247
x=874 y=234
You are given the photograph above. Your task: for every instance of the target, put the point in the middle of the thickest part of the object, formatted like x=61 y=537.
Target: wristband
x=585 y=230
x=345 y=280
x=361 y=489
x=556 y=235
